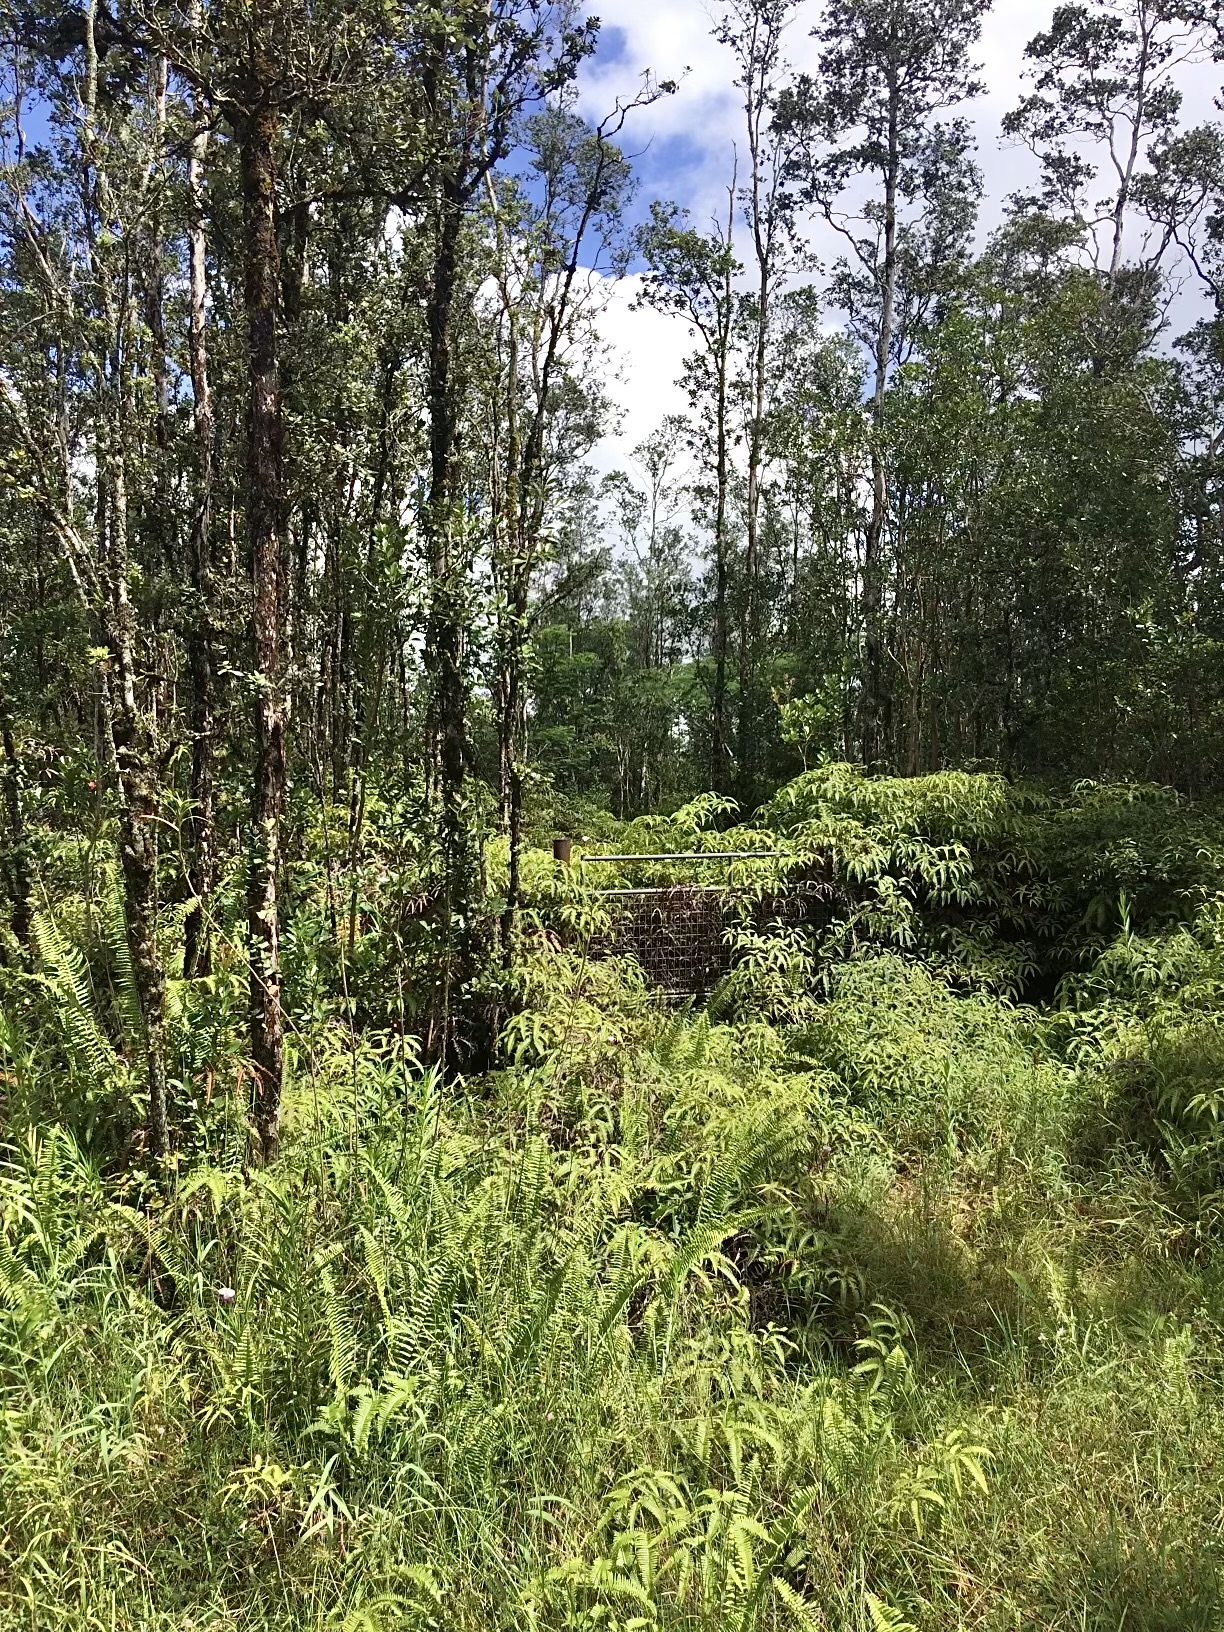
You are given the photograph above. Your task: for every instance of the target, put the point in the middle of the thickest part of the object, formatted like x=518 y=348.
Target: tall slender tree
x=568 y=213
x=197 y=939
x=869 y=119
x=480 y=69
x=88 y=320
x=1104 y=89
x=753 y=31
x=693 y=275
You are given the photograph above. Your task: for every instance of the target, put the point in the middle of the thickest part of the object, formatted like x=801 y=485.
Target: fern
x=67 y=976
x=884 y=1618
x=17 y=1282
x=119 y=957
x=801 y=1612
x=761 y=1144
x=376 y=1268
x=342 y=1336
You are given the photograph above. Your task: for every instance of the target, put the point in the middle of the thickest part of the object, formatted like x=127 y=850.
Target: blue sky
x=685 y=147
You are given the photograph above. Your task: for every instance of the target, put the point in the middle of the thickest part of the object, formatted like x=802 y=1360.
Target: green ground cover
x=883 y=1290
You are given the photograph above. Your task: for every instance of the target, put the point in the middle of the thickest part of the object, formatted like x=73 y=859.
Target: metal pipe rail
x=667 y=889
x=693 y=855
x=727 y=857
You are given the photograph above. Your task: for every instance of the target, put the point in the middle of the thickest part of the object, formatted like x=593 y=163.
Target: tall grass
x=903 y=1309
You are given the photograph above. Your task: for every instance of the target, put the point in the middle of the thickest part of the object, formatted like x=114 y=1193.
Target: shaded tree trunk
x=134 y=759
x=257 y=139
x=444 y=642
x=514 y=734
x=17 y=868
x=870 y=695
x=197 y=940
x=752 y=550
x=719 y=768
x=127 y=734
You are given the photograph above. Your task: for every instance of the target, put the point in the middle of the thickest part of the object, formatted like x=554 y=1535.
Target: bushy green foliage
x=998 y=884
x=866 y=1296
x=415 y=1353
x=937 y=1070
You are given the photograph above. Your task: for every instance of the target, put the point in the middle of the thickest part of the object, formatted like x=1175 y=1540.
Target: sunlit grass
x=679 y=1334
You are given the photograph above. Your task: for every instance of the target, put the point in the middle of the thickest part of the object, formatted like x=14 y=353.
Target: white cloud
x=647 y=351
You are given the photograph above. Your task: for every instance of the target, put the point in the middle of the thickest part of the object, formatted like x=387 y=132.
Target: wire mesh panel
x=682 y=934
x=676 y=934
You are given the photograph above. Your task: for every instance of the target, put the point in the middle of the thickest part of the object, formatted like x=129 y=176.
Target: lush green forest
x=805 y=1215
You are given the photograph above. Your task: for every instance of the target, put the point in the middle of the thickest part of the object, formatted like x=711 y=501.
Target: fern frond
x=376 y=1268
x=67 y=976
x=760 y=1146
x=342 y=1358
x=16 y=1281
x=884 y=1618
x=802 y=1613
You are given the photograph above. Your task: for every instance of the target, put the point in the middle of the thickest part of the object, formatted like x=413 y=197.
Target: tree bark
x=1126 y=169
x=719 y=770
x=515 y=734
x=257 y=139
x=444 y=643
x=127 y=731
x=870 y=700
x=197 y=939
x=759 y=65
x=17 y=869
x=509 y=511
x=134 y=760
x=756 y=457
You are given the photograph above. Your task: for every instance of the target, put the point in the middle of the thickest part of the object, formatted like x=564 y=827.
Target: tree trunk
x=156 y=311
x=197 y=940
x=719 y=775
x=1126 y=170
x=138 y=801
x=257 y=136
x=763 y=222
x=510 y=505
x=17 y=869
x=444 y=646
x=127 y=736
x=870 y=702
x=138 y=851
x=756 y=450
x=515 y=733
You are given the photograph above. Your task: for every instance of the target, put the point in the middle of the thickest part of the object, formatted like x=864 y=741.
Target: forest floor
x=880 y=1300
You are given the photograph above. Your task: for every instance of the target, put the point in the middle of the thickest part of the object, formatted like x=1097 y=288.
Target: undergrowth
x=873 y=1294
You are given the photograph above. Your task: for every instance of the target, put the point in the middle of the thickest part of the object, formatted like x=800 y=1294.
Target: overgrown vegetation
x=899 y=1306
x=390 y=1240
